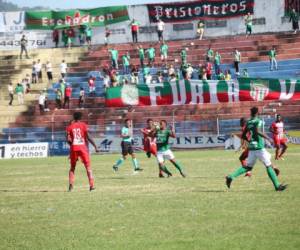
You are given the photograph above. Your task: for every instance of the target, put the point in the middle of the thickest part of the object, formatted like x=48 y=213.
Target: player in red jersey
x=149 y=142
x=277 y=129
x=78 y=138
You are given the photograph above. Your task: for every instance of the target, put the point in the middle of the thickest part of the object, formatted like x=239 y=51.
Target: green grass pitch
x=144 y=212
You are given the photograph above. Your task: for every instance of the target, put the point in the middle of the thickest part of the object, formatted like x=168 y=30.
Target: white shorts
x=164 y=155
x=263 y=155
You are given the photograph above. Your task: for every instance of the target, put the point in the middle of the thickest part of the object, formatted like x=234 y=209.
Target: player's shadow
x=208 y=191
x=31 y=191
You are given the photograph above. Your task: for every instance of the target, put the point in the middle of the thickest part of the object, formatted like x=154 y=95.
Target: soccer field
x=144 y=212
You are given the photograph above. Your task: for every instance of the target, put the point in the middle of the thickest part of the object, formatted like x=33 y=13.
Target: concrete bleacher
x=25 y=123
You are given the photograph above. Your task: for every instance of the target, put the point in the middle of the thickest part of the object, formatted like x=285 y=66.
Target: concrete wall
x=268 y=12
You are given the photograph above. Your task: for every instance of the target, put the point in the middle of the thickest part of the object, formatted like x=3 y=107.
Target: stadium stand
x=24 y=123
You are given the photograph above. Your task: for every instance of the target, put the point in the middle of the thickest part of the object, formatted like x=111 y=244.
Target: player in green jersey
x=164 y=52
x=126 y=135
x=162 y=134
x=253 y=135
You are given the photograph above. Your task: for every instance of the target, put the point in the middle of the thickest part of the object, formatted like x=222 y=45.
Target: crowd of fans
x=113 y=75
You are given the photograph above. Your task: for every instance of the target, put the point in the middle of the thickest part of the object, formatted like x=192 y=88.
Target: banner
x=12 y=21
x=23 y=150
x=197 y=92
x=202 y=9
x=112 y=144
x=64 y=19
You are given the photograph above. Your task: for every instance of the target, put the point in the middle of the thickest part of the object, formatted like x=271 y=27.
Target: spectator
x=237 y=60
x=106 y=35
x=68 y=94
x=64 y=37
x=81 y=35
x=183 y=68
x=227 y=75
x=189 y=71
x=71 y=36
x=24 y=85
x=151 y=54
x=114 y=57
x=208 y=69
x=146 y=71
x=23 y=43
x=141 y=55
x=220 y=76
x=200 y=29
x=27 y=82
x=248 y=23
x=160 y=30
x=92 y=86
x=81 y=98
x=245 y=73
x=42 y=100
x=134 y=75
x=173 y=78
x=48 y=68
x=294 y=18
x=62 y=87
x=204 y=73
x=38 y=68
x=34 y=73
x=209 y=55
x=134 y=30
x=171 y=70
x=199 y=70
x=55 y=37
x=217 y=62
x=126 y=63
x=58 y=98
x=164 y=52
x=183 y=56
x=88 y=35
x=20 y=93
x=160 y=77
x=10 y=89
x=106 y=80
x=63 y=68
x=148 y=79
x=272 y=57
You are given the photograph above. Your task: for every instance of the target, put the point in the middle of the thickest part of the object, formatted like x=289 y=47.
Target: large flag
x=63 y=19
x=197 y=92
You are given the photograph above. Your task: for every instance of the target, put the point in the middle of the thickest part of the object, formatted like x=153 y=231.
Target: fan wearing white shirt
x=38 y=68
x=63 y=69
x=160 y=30
x=48 y=68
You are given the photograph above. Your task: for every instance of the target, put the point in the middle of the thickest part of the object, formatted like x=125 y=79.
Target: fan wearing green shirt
x=248 y=23
x=126 y=145
x=272 y=57
x=141 y=55
x=162 y=135
x=164 y=52
x=183 y=56
x=151 y=55
x=210 y=54
x=217 y=62
x=126 y=63
x=114 y=57
x=253 y=135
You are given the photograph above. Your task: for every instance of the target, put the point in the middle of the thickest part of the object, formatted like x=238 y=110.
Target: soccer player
x=277 y=129
x=126 y=135
x=78 y=138
x=149 y=142
x=256 y=151
x=162 y=135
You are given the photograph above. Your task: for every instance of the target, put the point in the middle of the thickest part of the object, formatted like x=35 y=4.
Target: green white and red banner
x=48 y=20
x=196 y=92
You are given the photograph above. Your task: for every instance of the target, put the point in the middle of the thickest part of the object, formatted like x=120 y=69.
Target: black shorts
x=88 y=38
x=126 y=148
x=49 y=74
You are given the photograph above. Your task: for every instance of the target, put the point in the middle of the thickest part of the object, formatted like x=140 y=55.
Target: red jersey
x=68 y=91
x=278 y=129
x=92 y=82
x=134 y=27
x=77 y=134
